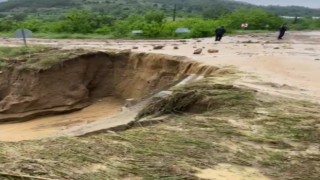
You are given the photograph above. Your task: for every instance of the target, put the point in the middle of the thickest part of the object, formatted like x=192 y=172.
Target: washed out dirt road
x=289 y=68
x=295 y=61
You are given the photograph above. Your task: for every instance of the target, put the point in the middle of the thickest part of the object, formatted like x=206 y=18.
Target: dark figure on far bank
x=282 y=31
x=219 y=33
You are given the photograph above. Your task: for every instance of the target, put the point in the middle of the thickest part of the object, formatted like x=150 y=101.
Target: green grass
x=11 y=52
x=62 y=35
x=274 y=159
x=35 y=57
x=71 y=36
x=110 y=36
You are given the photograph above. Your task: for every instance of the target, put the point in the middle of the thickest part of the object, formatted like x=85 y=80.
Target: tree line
x=154 y=24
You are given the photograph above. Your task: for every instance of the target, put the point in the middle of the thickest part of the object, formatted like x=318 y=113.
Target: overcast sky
x=307 y=3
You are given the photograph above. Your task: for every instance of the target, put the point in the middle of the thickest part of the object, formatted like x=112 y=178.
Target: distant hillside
x=122 y=8
x=293 y=11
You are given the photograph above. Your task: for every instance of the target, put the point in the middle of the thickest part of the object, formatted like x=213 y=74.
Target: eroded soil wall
x=74 y=83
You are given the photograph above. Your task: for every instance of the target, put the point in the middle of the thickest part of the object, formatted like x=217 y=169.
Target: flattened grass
x=35 y=57
x=227 y=128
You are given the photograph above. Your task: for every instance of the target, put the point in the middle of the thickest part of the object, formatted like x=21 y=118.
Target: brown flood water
x=45 y=126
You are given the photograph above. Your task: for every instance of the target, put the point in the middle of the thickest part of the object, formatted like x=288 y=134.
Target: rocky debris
x=199 y=41
x=309 y=49
x=249 y=41
x=287 y=47
x=213 y=51
x=158 y=47
x=276 y=48
x=130 y=102
x=182 y=40
x=135 y=47
x=198 y=51
x=175 y=47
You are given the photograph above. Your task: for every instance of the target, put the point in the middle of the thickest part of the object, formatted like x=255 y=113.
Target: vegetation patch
x=201 y=97
x=35 y=57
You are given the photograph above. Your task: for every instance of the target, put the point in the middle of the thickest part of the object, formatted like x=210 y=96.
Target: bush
x=34 y=25
x=103 y=30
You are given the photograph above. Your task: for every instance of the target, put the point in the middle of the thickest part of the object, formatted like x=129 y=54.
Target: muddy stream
x=46 y=126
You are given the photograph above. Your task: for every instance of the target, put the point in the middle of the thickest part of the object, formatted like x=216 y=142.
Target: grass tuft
x=35 y=57
x=201 y=97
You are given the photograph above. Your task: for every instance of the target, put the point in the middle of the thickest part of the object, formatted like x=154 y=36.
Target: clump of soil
x=71 y=79
x=200 y=97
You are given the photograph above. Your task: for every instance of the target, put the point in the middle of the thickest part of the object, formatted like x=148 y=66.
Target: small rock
x=199 y=41
x=182 y=40
x=130 y=102
x=213 y=51
x=135 y=47
x=315 y=59
x=198 y=51
x=249 y=41
x=158 y=47
x=276 y=48
x=309 y=49
x=175 y=47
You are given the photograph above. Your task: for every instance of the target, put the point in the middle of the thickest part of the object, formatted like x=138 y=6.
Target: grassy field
x=232 y=125
x=110 y=36
x=35 y=57
x=62 y=36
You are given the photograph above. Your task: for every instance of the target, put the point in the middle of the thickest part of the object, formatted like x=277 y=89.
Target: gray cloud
x=307 y=3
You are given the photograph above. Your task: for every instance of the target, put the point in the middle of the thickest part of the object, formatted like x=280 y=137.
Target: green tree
x=8 y=24
x=35 y=25
x=155 y=17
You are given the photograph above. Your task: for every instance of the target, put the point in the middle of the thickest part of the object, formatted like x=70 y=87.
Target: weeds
x=35 y=57
x=201 y=97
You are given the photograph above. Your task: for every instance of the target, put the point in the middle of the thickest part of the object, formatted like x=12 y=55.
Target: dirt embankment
x=74 y=83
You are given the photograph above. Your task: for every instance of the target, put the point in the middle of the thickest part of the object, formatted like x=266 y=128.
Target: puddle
x=231 y=172
x=45 y=126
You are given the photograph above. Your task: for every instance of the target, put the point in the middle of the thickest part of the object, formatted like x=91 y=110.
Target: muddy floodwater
x=46 y=126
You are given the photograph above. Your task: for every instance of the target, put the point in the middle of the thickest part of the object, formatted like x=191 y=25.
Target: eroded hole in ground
x=44 y=97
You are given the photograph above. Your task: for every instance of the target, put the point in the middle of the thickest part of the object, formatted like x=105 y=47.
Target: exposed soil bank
x=75 y=83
